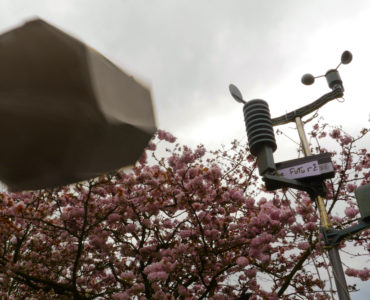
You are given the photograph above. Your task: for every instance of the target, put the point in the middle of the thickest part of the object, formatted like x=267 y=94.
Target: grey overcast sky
x=189 y=51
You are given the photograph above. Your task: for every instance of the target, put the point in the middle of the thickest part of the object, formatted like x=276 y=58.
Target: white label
x=326 y=168
x=309 y=169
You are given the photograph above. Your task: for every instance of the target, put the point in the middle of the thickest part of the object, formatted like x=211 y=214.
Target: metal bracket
x=315 y=188
x=333 y=237
x=307 y=109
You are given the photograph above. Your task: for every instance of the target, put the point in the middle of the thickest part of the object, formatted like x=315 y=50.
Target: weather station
x=307 y=173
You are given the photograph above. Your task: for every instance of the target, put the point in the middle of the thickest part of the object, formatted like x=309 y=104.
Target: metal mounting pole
x=336 y=263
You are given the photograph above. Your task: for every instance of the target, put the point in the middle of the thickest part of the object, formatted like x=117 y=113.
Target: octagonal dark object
x=66 y=112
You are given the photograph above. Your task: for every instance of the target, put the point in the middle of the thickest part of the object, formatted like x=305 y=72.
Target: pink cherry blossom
x=190 y=224
x=335 y=133
x=351 y=187
x=164 y=135
x=157 y=276
x=303 y=245
x=351 y=212
x=346 y=140
x=242 y=261
x=363 y=274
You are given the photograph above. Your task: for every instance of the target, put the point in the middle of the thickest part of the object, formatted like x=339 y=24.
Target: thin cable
x=341 y=101
x=290 y=138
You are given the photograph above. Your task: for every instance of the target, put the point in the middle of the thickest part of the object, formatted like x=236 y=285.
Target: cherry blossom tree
x=193 y=224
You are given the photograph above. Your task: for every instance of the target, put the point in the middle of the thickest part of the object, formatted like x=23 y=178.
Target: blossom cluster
x=194 y=225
